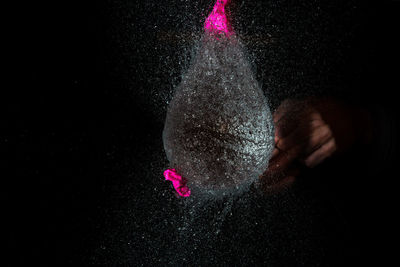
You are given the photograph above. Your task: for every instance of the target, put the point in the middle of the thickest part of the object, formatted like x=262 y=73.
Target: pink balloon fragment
x=217 y=22
x=178 y=181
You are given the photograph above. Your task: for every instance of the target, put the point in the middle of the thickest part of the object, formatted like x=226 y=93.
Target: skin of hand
x=307 y=132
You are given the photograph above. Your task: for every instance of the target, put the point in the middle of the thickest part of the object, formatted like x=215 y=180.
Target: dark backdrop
x=88 y=91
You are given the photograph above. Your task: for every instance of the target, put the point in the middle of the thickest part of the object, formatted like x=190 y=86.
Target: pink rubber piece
x=178 y=182
x=217 y=22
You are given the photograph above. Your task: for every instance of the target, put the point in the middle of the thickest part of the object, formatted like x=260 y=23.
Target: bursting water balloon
x=218 y=131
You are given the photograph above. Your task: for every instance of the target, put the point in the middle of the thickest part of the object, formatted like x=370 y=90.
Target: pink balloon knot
x=217 y=22
x=178 y=182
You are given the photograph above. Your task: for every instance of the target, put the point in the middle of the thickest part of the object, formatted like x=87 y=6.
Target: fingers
x=285 y=125
x=307 y=123
x=289 y=114
x=284 y=118
x=315 y=148
x=318 y=138
x=321 y=154
x=294 y=138
x=275 y=152
x=282 y=161
x=314 y=132
x=300 y=132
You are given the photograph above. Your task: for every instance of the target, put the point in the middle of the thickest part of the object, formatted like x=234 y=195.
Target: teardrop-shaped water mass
x=218 y=131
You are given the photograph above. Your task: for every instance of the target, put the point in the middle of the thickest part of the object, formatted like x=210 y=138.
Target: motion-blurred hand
x=309 y=131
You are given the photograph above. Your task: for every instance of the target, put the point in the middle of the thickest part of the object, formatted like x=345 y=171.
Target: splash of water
x=218 y=132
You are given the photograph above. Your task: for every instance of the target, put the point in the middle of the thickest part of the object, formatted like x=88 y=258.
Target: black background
x=72 y=119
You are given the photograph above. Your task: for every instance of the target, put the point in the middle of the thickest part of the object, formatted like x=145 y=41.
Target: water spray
x=218 y=133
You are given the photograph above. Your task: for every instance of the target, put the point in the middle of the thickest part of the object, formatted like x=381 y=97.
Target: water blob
x=218 y=133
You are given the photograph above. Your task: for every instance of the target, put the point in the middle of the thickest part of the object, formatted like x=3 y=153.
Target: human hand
x=309 y=131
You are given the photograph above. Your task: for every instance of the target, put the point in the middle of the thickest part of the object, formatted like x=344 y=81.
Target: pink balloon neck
x=217 y=22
